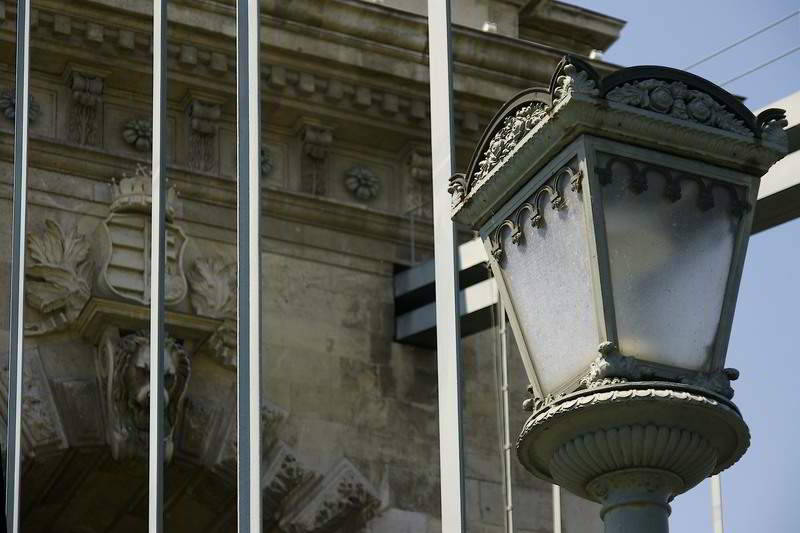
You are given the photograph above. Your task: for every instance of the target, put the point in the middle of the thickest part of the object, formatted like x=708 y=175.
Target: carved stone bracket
x=203 y=114
x=42 y=428
x=59 y=277
x=419 y=184
x=266 y=163
x=85 y=122
x=123 y=366
x=343 y=501
x=315 y=141
x=283 y=475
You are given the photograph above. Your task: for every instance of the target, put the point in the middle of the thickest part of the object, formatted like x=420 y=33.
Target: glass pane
x=86 y=390
x=350 y=433
x=548 y=273
x=688 y=234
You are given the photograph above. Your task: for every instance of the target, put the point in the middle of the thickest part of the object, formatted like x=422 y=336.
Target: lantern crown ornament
x=615 y=212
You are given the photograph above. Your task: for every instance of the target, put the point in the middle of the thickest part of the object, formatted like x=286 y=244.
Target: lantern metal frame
x=575 y=127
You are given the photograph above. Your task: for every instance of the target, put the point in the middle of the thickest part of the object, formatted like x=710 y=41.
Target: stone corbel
x=315 y=139
x=203 y=113
x=284 y=474
x=86 y=85
x=343 y=501
x=122 y=361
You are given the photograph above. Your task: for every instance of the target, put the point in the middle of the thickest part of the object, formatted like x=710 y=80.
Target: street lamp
x=616 y=214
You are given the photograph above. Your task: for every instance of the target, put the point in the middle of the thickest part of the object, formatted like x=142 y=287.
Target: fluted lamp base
x=633 y=447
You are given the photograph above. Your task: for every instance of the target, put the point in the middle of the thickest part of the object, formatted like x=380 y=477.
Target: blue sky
x=760 y=493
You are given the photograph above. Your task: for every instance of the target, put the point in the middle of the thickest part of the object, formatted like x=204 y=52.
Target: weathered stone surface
x=336 y=385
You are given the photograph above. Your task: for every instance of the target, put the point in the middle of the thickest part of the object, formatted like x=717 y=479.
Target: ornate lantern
x=616 y=214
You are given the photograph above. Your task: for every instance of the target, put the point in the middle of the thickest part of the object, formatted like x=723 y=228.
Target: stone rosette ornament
x=362 y=183
x=139 y=134
x=8 y=106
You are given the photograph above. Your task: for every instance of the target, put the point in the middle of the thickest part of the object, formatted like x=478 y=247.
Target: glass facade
x=360 y=428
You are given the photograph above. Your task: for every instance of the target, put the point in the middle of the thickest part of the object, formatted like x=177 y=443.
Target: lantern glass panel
x=548 y=276
x=670 y=241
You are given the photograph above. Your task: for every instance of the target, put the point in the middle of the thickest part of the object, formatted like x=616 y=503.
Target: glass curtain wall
x=349 y=419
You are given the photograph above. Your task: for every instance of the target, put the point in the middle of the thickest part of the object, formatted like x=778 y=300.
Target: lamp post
x=616 y=213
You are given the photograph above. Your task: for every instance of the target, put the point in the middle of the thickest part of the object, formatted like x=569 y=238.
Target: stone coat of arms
x=124 y=240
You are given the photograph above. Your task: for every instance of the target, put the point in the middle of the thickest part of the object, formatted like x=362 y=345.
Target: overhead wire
x=742 y=40
x=759 y=67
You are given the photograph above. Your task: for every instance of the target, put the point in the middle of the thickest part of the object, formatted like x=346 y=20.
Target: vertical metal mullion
x=157 y=267
x=505 y=416
x=448 y=337
x=15 y=331
x=716 y=504
x=248 y=376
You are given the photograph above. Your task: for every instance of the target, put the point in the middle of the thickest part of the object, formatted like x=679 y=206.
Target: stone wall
x=350 y=425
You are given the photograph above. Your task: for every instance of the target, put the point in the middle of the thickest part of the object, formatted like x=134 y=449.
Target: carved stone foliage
x=203 y=118
x=343 y=501
x=123 y=364
x=679 y=95
x=124 y=243
x=534 y=209
x=87 y=97
x=139 y=134
x=514 y=128
x=574 y=78
x=58 y=277
x=8 y=106
x=213 y=284
x=677 y=100
x=315 y=143
x=284 y=474
x=362 y=183
x=771 y=123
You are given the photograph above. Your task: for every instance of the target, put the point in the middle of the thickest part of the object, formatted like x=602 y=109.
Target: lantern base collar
x=682 y=430
x=635 y=499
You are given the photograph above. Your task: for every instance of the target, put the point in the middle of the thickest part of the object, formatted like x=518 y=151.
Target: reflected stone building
x=349 y=421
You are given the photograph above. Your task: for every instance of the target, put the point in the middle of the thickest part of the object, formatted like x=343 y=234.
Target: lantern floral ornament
x=616 y=212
